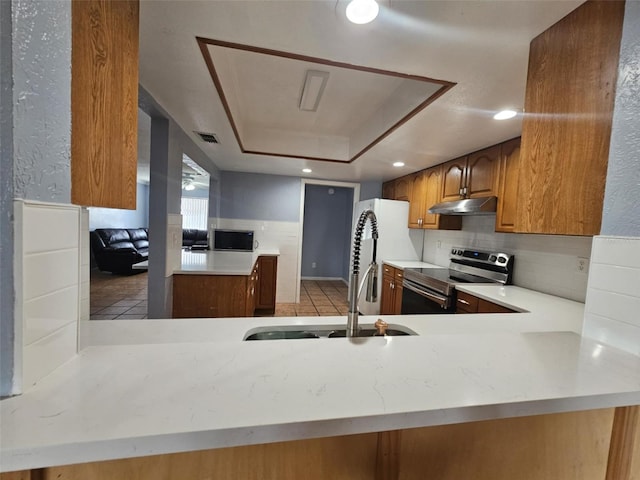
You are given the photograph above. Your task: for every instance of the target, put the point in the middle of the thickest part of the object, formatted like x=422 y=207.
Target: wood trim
x=623 y=446
x=203 y=43
x=388 y=455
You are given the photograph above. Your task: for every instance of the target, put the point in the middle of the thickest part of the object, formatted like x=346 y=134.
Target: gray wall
x=7 y=326
x=168 y=143
x=621 y=212
x=370 y=190
x=120 y=218
x=326 y=231
x=42 y=96
x=35 y=132
x=255 y=196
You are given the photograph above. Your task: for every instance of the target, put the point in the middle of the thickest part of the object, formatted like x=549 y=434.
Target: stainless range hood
x=468 y=206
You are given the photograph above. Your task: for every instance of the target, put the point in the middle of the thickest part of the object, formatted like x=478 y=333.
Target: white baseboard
x=326 y=279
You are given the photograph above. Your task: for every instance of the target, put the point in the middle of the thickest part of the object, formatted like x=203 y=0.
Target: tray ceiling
x=354 y=106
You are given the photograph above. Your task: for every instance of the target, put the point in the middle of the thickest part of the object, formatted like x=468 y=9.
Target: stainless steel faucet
x=370 y=276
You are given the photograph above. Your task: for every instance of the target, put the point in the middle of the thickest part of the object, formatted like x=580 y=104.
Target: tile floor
x=117 y=297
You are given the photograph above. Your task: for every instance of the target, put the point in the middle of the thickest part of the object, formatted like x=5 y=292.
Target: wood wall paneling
x=104 y=103
x=203 y=296
x=565 y=135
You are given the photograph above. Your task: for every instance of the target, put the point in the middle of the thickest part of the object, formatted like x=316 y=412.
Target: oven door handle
x=439 y=299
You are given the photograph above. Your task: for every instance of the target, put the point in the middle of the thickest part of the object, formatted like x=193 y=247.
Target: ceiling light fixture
x=362 y=11
x=398 y=164
x=505 y=115
x=306 y=170
x=312 y=90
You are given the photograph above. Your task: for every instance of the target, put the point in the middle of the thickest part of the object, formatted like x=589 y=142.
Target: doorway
x=325 y=231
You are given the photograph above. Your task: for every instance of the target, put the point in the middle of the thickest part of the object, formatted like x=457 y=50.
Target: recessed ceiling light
x=398 y=164
x=505 y=115
x=306 y=170
x=362 y=11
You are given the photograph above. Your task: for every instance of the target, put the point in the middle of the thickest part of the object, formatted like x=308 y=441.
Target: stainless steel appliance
x=432 y=290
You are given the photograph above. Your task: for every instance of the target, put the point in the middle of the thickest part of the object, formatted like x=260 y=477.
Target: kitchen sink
x=288 y=332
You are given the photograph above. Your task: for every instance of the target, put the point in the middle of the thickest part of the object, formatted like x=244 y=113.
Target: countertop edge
x=131 y=447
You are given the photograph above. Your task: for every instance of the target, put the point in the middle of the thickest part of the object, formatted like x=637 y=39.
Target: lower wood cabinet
x=467 y=303
x=391 y=297
x=205 y=296
x=266 y=284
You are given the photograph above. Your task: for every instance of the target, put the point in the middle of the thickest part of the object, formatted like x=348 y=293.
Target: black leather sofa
x=117 y=249
x=192 y=236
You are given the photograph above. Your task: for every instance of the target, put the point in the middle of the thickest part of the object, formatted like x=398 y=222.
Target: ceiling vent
x=208 y=137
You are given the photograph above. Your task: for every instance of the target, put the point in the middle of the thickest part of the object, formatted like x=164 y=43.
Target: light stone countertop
x=160 y=386
x=410 y=264
x=208 y=262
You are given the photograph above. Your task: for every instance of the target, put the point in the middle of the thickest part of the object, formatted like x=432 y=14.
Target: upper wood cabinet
x=104 y=103
x=453 y=178
x=506 y=214
x=569 y=102
x=402 y=188
x=475 y=175
x=482 y=173
x=389 y=190
x=416 y=201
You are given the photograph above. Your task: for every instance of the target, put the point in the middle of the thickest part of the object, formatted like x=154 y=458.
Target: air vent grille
x=208 y=137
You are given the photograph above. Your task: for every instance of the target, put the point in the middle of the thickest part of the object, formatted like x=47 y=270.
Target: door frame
x=303 y=185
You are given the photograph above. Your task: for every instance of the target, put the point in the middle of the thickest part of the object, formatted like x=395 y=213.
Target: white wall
x=545 y=263
x=48 y=287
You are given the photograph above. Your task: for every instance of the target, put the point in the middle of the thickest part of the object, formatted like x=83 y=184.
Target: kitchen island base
x=563 y=446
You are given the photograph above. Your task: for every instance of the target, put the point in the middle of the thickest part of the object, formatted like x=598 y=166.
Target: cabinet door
x=104 y=103
x=508 y=186
x=266 y=286
x=482 y=173
x=387 y=298
x=389 y=190
x=453 y=178
x=403 y=188
x=397 y=291
x=416 y=203
x=433 y=183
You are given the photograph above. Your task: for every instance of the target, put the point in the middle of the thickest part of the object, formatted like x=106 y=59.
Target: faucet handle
x=381 y=327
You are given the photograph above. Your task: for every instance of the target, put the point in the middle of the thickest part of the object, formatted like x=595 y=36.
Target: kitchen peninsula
x=225 y=283
x=157 y=387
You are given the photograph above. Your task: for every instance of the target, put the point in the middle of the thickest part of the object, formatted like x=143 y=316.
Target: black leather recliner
x=117 y=249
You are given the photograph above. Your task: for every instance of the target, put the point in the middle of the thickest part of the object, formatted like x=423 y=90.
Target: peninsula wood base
x=567 y=446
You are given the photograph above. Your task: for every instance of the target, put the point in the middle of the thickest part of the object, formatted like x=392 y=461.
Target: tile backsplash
x=612 y=310
x=545 y=263
x=48 y=286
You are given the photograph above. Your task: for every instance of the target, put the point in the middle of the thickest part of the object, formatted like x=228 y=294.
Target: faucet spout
x=371 y=275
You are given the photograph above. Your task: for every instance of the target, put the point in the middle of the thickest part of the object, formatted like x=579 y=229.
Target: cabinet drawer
x=387 y=270
x=467 y=303
x=490 y=307
x=399 y=276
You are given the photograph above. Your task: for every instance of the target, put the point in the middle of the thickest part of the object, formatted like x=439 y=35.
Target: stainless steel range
x=432 y=290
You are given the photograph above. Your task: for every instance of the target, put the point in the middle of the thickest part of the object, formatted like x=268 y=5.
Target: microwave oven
x=234 y=240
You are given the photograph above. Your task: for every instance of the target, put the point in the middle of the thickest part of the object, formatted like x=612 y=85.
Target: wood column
x=623 y=446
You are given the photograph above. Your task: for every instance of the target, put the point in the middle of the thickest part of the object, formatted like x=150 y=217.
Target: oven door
x=419 y=300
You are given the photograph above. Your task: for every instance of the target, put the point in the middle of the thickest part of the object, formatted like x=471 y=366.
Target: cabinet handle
x=393 y=285
x=464 y=302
